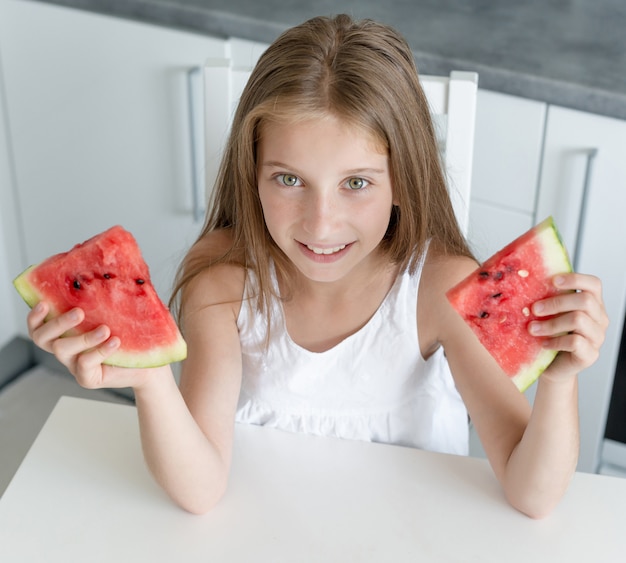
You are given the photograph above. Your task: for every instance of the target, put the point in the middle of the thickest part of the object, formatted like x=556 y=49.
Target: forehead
x=320 y=134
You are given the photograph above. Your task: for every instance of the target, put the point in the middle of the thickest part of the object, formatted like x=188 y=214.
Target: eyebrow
x=364 y=170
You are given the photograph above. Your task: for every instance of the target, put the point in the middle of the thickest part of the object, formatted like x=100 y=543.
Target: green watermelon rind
x=152 y=358
x=145 y=359
x=554 y=251
x=528 y=374
x=149 y=358
x=25 y=289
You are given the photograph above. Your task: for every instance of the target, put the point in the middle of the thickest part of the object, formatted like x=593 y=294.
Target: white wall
x=8 y=323
x=12 y=312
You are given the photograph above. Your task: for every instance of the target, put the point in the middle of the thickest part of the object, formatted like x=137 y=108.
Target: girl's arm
x=197 y=475
x=186 y=434
x=551 y=438
x=533 y=452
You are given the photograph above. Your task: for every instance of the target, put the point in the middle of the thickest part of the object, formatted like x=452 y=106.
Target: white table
x=83 y=494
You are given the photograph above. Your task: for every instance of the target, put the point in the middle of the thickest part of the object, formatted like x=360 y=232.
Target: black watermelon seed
x=107 y=276
x=140 y=281
x=484 y=274
x=483 y=314
x=499 y=275
x=76 y=284
x=496 y=295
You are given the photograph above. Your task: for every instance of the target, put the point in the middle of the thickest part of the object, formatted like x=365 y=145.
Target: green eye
x=288 y=179
x=356 y=183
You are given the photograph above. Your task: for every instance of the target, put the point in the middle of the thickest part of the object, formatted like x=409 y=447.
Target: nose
x=321 y=214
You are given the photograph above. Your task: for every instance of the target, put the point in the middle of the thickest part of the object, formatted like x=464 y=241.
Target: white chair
x=452 y=100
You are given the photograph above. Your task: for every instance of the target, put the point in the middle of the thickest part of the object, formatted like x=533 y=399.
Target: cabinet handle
x=582 y=216
x=193 y=75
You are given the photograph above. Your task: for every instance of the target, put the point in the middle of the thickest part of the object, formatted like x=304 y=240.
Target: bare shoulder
x=215 y=283
x=435 y=314
x=212 y=246
x=211 y=374
x=443 y=271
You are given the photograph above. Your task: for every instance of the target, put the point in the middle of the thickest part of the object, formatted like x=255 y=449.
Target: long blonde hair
x=362 y=72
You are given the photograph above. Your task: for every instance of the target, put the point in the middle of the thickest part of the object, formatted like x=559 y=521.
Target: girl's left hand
x=579 y=324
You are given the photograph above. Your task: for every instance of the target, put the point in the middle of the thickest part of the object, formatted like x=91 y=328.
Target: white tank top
x=373 y=386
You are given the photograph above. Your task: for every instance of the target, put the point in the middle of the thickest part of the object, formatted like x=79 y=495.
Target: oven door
x=613 y=459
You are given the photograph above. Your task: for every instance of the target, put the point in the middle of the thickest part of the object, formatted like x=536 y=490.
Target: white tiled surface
x=25 y=404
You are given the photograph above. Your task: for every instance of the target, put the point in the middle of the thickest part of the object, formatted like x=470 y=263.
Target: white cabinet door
x=507 y=156
x=492 y=227
x=99 y=119
x=601 y=234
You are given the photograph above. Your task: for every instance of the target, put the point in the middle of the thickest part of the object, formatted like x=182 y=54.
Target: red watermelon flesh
x=108 y=279
x=496 y=300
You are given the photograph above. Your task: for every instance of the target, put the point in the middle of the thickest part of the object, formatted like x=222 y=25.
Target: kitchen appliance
x=614 y=447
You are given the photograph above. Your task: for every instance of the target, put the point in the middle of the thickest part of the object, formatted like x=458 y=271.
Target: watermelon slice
x=496 y=300
x=107 y=277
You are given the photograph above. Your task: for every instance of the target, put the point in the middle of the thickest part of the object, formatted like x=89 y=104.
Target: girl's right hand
x=82 y=355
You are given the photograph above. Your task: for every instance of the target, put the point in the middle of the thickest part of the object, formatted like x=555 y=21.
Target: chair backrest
x=452 y=100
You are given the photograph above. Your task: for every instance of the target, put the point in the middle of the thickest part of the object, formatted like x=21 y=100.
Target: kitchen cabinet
x=532 y=160
x=507 y=157
x=98 y=110
x=583 y=185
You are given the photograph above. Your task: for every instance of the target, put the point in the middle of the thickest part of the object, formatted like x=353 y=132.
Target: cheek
x=274 y=212
x=378 y=215
x=266 y=200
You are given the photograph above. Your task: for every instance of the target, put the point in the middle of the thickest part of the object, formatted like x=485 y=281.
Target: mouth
x=327 y=250
x=325 y=254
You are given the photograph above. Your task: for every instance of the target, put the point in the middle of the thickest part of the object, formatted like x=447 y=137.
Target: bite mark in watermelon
x=108 y=279
x=496 y=300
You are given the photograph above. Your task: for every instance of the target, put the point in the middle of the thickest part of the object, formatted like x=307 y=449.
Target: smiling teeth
x=326 y=250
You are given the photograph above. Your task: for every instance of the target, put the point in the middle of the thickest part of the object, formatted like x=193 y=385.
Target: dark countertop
x=566 y=52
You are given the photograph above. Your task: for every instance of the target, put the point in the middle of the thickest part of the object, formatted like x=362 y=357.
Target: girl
x=314 y=299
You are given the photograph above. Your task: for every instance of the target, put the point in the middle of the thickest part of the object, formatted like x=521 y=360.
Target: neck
x=320 y=315
x=375 y=276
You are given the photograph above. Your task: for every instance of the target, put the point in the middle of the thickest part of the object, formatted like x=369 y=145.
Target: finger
x=44 y=334
x=89 y=368
x=574 y=281
x=576 y=322
x=65 y=348
x=563 y=302
x=37 y=315
x=588 y=300
x=579 y=351
x=582 y=303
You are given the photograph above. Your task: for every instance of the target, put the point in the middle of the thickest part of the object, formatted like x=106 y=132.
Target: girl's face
x=326 y=194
